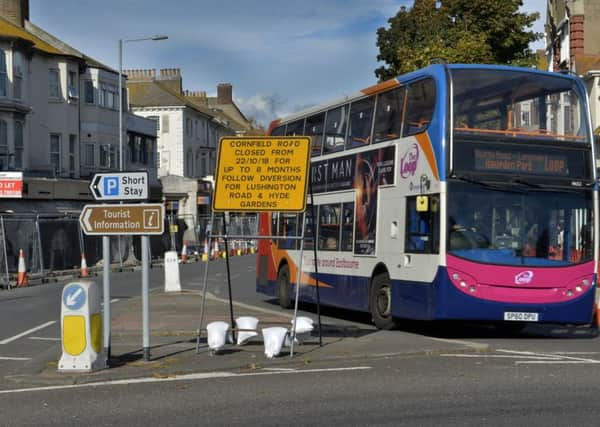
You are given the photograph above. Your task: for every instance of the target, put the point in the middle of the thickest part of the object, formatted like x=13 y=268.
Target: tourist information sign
x=257 y=174
x=124 y=219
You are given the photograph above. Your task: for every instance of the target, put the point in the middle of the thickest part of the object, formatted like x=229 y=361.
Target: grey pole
x=106 y=295
x=120 y=104
x=145 y=299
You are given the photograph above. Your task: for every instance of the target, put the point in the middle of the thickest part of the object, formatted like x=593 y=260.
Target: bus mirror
x=422 y=204
x=435 y=204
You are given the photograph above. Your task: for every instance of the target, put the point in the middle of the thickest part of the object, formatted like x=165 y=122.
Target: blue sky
x=280 y=56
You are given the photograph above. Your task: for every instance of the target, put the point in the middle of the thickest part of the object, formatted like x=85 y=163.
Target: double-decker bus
x=452 y=192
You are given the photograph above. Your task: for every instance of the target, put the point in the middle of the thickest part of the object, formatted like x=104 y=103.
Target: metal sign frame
x=100 y=194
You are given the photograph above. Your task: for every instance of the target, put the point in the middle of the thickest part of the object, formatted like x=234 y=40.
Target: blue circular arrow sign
x=74 y=297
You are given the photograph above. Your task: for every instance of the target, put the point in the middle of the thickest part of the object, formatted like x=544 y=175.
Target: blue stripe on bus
x=440 y=300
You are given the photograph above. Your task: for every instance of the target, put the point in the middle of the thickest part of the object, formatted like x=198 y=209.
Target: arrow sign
x=74 y=297
x=125 y=219
x=120 y=186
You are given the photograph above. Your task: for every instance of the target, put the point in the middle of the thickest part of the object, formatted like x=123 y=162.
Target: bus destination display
x=488 y=160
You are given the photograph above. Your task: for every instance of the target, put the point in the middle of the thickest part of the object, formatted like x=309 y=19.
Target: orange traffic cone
x=596 y=316
x=216 y=250
x=184 y=257
x=22 y=279
x=83 y=272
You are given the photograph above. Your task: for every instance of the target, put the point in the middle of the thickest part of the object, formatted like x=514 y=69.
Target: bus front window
x=518 y=227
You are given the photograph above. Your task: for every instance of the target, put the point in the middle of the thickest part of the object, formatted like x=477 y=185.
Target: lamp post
x=121 y=42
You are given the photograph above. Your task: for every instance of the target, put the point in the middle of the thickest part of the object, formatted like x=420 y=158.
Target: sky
x=280 y=56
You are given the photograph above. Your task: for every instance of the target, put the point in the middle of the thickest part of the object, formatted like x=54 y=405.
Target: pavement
x=175 y=320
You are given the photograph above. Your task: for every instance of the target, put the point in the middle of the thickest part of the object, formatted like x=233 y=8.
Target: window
x=88 y=157
x=419 y=106
x=189 y=163
x=295 y=128
x=151 y=146
x=105 y=155
x=53 y=83
x=388 y=116
x=165 y=123
x=278 y=131
x=361 y=119
x=347 y=226
x=3 y=146
x=314 y=127
x=102 y=95
x=335 y=129
x=17 y=75
x=89 y=92
x=72 y=148
x=18 y=145
x=55 y=152
x=111 y=101
x=132 y=152
x=3 y=76
x=143 y=151
x=422 y=227
x=329 y=227
x=72 y=85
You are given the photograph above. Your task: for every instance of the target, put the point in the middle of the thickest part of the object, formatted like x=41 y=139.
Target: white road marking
x=44 y=338
x=536 y=358
x=14 y=358
x=187 y=377
x=29 y=331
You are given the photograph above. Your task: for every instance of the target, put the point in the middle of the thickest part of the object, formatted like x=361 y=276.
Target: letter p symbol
x=111 y=186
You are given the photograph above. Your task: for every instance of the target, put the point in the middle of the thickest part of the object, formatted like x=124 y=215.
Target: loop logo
x=408 y=162
x=524 y=277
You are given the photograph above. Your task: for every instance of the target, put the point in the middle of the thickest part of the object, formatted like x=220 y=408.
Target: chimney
x=197 y=96
x=171 y=77
x=224 y=93
x=140 y=75
x=15 y=11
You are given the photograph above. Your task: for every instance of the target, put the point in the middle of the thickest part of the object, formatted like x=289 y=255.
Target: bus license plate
x=520 y=316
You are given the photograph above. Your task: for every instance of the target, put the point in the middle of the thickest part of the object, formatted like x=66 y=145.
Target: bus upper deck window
x=359 y=125
x=388 y=115
x=419 y=107
x=295 y=128
x=335 y=129
x=314 y=128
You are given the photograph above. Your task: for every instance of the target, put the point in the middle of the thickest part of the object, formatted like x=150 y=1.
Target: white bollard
x=274 y=338
x=81 y=328
x=216 y=335
x=246 y=323
x=172 y=283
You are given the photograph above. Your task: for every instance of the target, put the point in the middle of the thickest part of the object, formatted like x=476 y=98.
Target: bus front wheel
x=283 y=284
x=381 y=302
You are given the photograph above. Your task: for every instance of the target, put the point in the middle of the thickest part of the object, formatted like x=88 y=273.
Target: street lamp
x=121 y=98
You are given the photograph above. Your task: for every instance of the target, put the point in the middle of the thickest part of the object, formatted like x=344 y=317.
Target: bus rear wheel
x=381 y=302
x=283 y=284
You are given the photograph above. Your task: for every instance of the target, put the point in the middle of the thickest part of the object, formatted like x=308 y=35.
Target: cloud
x=263 y=108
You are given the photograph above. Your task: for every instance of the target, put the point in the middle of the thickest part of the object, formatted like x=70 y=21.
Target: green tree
x=456 y=31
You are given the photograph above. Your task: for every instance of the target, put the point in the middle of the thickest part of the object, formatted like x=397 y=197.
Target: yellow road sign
x=262 y=174
x=131 y=219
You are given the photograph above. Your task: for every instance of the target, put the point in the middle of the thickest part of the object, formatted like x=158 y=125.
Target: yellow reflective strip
x=74 y=341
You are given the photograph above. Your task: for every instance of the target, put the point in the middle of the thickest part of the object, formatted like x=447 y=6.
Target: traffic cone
x=83 y=272
x=205 y=251
x=22 y=279
x=216 y=250
x=184 y=257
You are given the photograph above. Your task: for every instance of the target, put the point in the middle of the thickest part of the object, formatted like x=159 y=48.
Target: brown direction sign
x=130 y=219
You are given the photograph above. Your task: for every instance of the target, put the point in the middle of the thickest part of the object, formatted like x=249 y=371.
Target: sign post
x=124 y=219
x=268 y=174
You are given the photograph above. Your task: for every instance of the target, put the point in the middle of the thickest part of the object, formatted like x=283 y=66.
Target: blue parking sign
x=111 y=186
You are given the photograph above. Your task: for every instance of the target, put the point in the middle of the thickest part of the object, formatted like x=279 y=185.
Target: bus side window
x=309 y=230
x=388 y=115
x=329 y=227
x=278 y=131
x=295 y=128
x=419 y=107
x=347 y=226
x=422 y=228
x=314 y=127
x=335 y=129
x=359 y=125
x=288 y=227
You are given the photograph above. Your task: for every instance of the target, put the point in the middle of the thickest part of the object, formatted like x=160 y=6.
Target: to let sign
x=11 y=185
x=120 y=186
x=138 y=219
x=262 y=174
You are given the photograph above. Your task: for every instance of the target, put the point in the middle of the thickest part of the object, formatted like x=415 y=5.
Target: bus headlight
x=463 y=281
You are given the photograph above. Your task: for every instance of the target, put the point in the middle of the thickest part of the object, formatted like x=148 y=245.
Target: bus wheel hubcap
x=383 y=301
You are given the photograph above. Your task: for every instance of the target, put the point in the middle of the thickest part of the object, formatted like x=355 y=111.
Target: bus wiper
x=526 y=183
